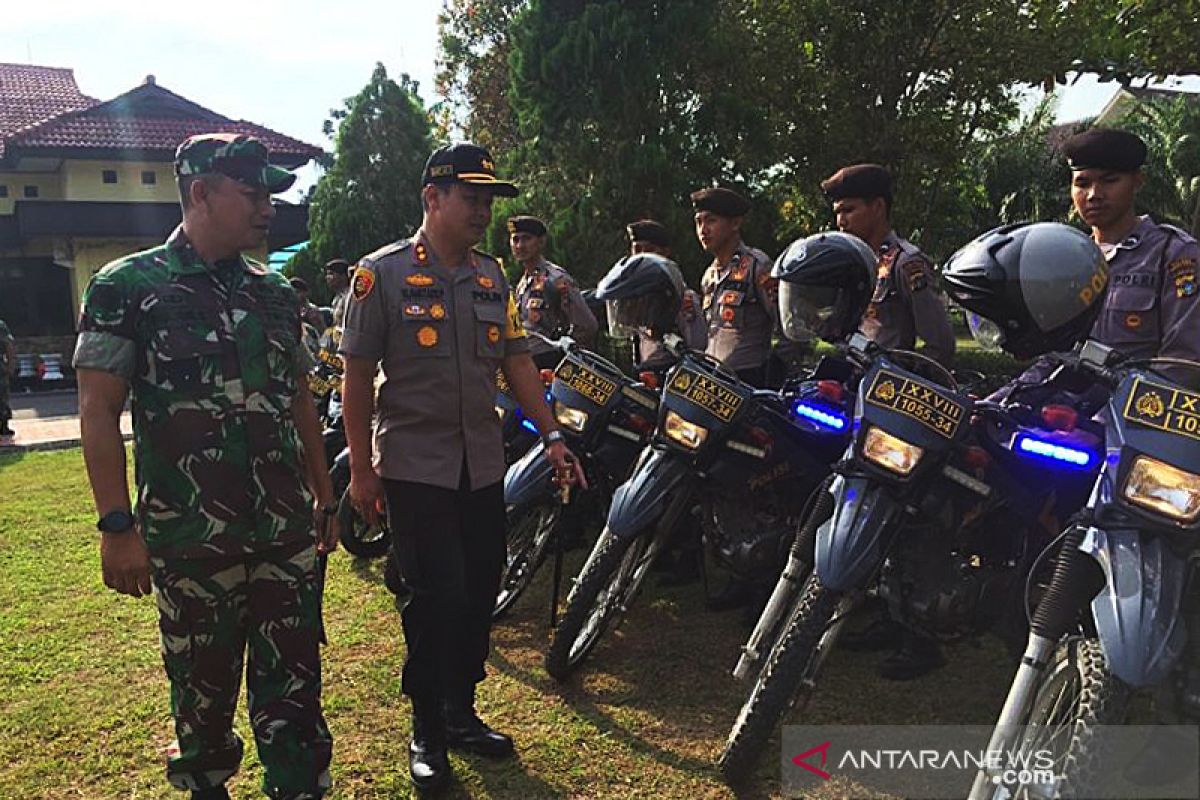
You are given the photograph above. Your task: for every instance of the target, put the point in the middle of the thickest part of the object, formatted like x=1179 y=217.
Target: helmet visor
x=986 y=332
x=628 y=315
x=806 y=312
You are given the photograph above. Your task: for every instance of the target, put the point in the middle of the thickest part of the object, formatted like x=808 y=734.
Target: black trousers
x=449 y=546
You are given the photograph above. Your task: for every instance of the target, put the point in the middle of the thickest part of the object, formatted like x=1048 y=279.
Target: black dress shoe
x=428 y=764
x=918 y=656
x=882 y=634
x=469 y=733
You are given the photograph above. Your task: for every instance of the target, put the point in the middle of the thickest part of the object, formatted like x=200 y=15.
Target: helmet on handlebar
x=1042 y=285
x=642 y=291
x=824 y=285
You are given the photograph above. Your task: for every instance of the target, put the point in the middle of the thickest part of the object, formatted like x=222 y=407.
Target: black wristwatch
x=118 y=521
x=552 y=437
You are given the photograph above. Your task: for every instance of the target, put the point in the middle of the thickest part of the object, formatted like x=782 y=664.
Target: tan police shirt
x=742 y=306
x=906 y=303
x=549 y=301
x=441 y=332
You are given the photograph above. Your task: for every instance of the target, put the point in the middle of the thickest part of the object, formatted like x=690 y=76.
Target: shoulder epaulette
x=388 y=250
x=1177 y=232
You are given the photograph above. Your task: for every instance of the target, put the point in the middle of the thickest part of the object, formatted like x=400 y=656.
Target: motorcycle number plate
x=592 y=385
x=703 y=391
x=1164 y=408
x=939 y=412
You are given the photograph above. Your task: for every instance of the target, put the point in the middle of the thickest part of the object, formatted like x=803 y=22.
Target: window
x=3 y=190
x=31 y=191
x=109 y=176
x=149 y=177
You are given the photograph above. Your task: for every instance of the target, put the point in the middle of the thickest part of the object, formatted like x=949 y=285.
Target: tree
x=1171 y=130
x=369 y=195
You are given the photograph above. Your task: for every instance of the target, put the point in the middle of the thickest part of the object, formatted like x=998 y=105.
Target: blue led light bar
x=825 y=417
x=528 y=425
x=1053 y=451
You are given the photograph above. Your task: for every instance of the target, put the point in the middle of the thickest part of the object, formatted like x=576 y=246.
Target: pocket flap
x=490 y=312
x=1132 y=298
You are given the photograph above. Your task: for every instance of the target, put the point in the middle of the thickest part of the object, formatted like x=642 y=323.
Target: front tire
x=529 y=530
x=787 y=679
x=606 y=586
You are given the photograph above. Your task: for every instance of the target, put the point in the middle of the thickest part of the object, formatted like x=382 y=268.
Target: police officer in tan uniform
x=740 y=296
x=650 y=236
x=906 y=303
x=548 y=298
x=439 y=317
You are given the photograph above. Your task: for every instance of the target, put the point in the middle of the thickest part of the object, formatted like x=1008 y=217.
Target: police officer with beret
x=906 y=303
x=651 y=236
x=740 y=296
x=1151 y=308
x=337 y=278
x=547 y=297
x=439 y=316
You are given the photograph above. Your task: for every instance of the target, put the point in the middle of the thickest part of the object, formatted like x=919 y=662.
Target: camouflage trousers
x=212 y=611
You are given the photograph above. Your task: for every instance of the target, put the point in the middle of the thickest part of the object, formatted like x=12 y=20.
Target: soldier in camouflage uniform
x=228 y=463
x=547 y=296
x=8 y=366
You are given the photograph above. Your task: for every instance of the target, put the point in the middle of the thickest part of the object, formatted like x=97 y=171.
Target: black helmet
x=1041 y=283
x=824 y=284
x=643 y=291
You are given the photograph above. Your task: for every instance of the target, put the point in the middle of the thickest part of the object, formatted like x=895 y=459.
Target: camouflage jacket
x=212 y=354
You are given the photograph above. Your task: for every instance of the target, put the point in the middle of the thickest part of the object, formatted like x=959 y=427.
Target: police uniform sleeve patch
x=513 y=327
x=915 y=274
x=364 y=283
x=1183 y=272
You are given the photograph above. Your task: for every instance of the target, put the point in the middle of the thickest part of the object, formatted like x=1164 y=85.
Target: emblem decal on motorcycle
x=592 y=385
x=937 y=411
x=1164 y=408
x=706 y=393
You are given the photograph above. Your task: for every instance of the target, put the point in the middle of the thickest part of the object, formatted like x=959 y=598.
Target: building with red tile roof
x=83 y=182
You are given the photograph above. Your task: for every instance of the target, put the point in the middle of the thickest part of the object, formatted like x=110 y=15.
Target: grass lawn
x=84 y=710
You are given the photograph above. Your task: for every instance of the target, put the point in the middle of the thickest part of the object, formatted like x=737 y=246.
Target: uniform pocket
x=423 y=338
x=1130 y=314
x=489 y=330
x=185 y=362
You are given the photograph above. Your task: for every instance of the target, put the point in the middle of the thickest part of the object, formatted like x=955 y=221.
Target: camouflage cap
x=234 y=155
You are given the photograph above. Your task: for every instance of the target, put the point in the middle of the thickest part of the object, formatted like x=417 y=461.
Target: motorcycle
x=607 y=418
x=911 y=513
x=734 y=453
x=1120 y=613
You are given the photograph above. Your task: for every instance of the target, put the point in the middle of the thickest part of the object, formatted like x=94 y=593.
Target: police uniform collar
x=425 y=257
x=188 y=262
x=890 y=242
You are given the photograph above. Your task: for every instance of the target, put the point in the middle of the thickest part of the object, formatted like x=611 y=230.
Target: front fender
x=640 y=501
x=530 y=478
x=1138 y=613
x=850 y=544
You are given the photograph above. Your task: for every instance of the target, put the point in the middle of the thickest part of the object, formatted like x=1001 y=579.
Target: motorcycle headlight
x=1164 y=489
x=570 y=418
x=688 y=434
x=890 y=452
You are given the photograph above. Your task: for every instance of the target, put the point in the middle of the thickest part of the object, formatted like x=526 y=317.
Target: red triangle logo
x=801 y=760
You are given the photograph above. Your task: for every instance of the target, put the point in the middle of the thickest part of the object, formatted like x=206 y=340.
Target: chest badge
x=427 y=336
x=419 y=280
x=421 y=253
x=493 y=333
x=486 y=282
x=364 y=282
x=1133 y=321
x=414 y=310
x=437 y=311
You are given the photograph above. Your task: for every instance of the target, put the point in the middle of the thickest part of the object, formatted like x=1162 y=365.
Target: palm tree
x=1171 y=130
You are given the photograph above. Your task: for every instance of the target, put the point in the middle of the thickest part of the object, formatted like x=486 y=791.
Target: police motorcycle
x=738 y=460
x=932 y=513
x=1119 y=617
x=607 y=418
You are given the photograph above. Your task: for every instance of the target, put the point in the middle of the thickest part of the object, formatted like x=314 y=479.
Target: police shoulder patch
x=916 y=274
x=363 y=284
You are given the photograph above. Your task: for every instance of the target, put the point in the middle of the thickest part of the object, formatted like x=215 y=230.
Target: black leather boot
x=427 y=761
x=466 y=731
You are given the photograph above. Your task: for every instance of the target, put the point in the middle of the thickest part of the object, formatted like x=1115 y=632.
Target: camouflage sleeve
x=515 y=339
x=917 y=283
x=365 y=324
x=1180 y=301
x=107 y=326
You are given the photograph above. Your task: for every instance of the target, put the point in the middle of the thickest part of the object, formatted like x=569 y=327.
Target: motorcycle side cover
x=640 y=501
x=529 y=478
x=1138 y=613
x=850 y=544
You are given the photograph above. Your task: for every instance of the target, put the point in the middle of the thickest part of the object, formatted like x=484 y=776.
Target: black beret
x=723 y=202
x=859 y=180
x=647 y=230
x=1105 y=148
x=530 y=225
x=299 y=284
x=338 y=265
